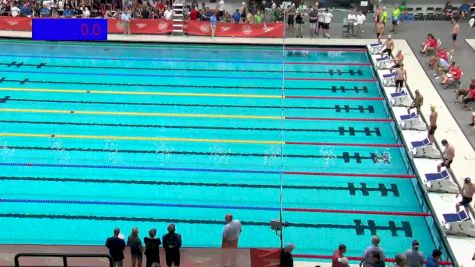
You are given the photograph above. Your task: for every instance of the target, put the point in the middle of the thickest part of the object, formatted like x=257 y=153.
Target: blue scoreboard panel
x=69 y=29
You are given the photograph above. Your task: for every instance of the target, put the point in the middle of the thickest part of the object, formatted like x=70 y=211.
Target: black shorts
x=443 y=164
x=172 y=257
x=399 y=83
x=290 y=20
x=320 y=25
x=388 y=50
x=326 y=26
x=394 y=22
x=432 y=130
x=465 y=201
x=396 y=66
x=454 y=37
x=378 y=35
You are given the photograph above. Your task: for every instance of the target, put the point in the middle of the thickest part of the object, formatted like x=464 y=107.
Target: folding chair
x=429 y=13
x=439 y=13
x=419 y=14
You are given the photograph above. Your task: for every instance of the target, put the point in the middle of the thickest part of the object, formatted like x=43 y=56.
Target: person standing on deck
x=433 y=124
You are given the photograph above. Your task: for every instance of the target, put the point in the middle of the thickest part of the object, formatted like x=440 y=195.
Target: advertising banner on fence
x=15 y=24
x=142 y=26
x=226 y=29
x=265 y=257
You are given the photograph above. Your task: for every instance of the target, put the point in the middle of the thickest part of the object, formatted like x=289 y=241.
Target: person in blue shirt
x=26 y=9
x=68 y=12
x=45 y=12
x=464 y=9
x=237 y=16
x=213 y=22
x=432 y=260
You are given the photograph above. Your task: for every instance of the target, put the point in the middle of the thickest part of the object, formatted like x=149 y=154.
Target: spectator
x=249 y=18
x=286 y=259
x=135 y=245
x=377 y=18
x=236 y=16
x=194 y=14
x=368 y=261
x=326 y=23
x=376 y=258
x=312 y=19
x=152 y=245
x=27 y=9
x=433 y=124
x=243 y=12
x=401 y=77
x=469 y=97
x=395 y=19
x=168 y=13
x=429 y=45
x=291 y=16
x=338 y=258
x=400 y=260
x=417 y=103
x=432 y=260
x=454 y=75
x=172 y=245
x=213 y=20
x=45 y=12
x=473 y=121
x=467 y=192
x=360 y=20
x=269 y=15
x=455 y=32
x=379 y=31
x=14 y=10
x=116 y=248
x=414 y=258
x=125 y=18
x=299 y=21
x=160 y=6
x=351 y=21
x=231 y=232
x=388 y=46
x=464 y=9
x=278 y=14
x=68 y=12
x=85 y=12
x=320 y=20
x=384 y=16
x=448 y=155
x=258 y=18
x=220 y=8
x=441 y=54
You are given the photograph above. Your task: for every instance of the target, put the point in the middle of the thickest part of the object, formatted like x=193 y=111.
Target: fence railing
x=63 y=256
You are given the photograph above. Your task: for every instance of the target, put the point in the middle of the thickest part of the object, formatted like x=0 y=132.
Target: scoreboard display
x=69 y=29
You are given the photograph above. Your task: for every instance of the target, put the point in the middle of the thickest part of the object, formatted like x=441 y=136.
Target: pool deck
x=471 y=43
x=448 y=128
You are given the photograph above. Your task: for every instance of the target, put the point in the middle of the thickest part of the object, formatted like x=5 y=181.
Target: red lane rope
x=327 y=49
x=341 y=144
x=353 y=258
x=399 y=176
x=329 y=63
x=332 y=79
x=339 y=119
x=335 y=97
x=366 y=212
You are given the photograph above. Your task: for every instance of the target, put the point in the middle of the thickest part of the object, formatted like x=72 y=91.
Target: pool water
x=97 y=136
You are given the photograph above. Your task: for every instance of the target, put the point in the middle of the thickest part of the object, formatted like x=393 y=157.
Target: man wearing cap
x=389 y=46
x=433 y=124
x=468 y=189
x=448 y=155
x=414 y=258
x=417 y=103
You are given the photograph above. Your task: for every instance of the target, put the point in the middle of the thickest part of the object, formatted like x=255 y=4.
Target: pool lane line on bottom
x=209 y=170
x=337 y=108
x=333 y=89
x=210 y=206
x=136 y=93
x=358 y=225
x=351 y=131
x=15 y=64
x=192 y=140
x=352 y=188
x=187 y=115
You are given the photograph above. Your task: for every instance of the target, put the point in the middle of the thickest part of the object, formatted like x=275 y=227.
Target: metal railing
x=64 y=256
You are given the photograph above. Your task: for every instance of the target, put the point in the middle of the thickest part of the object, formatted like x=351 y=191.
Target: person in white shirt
x=360 y=20
x=168 y=14
x=326 y=23
x=14 y=10
x=351 y=21
x=85 y=12
x=220 y=8
x=125 y=18
x=320 y=20
x=231 y=233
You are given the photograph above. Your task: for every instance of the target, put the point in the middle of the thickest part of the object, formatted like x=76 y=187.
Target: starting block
x=440 y=182
x=389 y=79
x=459 y=224
x=401 y=99
x=412 y=122
x=384 y=62
x=424 y=149
x=376 y=48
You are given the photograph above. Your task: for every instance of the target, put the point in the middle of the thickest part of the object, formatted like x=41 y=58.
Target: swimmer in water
x=384 y=158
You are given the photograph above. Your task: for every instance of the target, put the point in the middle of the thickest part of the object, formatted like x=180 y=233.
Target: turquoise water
x=119 y=135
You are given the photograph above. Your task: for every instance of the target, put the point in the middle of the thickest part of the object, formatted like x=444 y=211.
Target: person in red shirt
x=194 y=14
x=429 y=44
x=338 y=258
x=455 y=75
x=441 y=54
x=160 y=6
x=469 y=97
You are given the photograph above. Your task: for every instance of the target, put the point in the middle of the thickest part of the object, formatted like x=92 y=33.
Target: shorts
x=290 y=20
x=313 y=25
x=378 y=35
x=454 y=37
x=399 y=83
x=172 y=257
x=432 y=130
x=326 y=26
x=320 y=24
x=396 y=66
x=388 y=50
x=443 y=164
x=465 y=201
x=395 y=22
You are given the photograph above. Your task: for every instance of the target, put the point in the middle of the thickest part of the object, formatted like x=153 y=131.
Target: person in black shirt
x=286 y=259
x=152 y=245
x=172 y=244
x=299 y=21
x=116 y=248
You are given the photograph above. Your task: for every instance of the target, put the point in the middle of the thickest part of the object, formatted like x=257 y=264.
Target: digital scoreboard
x=69 y=29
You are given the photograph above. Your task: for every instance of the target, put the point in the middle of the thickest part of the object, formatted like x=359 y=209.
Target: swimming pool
x=97 y=136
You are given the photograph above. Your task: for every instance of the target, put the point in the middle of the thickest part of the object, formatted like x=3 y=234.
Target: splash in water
x=6 y=152
x=113 y=154
x=60 y=154
x=328 y=156
x=164 y=153
x=272 y=155
x=219 y=154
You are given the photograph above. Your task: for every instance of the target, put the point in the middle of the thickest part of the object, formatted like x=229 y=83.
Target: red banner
x=15 y=23
x=226 y=29
x=141 y=26
x=265 y=257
